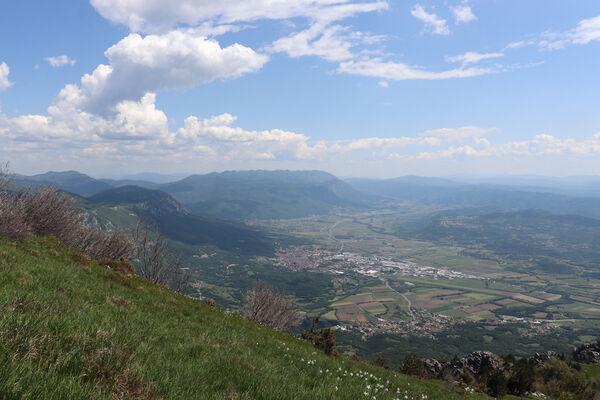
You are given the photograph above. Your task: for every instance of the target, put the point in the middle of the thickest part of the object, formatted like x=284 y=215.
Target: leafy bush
x=413 y=366
x=324 y=339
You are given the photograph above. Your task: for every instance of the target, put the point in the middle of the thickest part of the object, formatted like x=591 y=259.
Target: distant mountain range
x=231 y=195
x=294 y=194
x=446 y=193
x=69 y=181
x=266 y=194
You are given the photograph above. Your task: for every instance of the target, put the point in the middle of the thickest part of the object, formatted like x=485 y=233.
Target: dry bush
x=272 y=308
x=48 y=211
x=98 y=244
x=12 y=213
x=156 y=263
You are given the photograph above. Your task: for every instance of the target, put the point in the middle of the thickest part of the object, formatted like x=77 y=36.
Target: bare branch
x=272 y=308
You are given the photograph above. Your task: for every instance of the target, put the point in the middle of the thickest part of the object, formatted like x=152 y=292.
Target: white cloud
x=398 y=71
x=332 y=43
x=437 y=25
x=176 y=60
x=463 y=14
x=4 y=72
x=139 y=131
x=60 y=61
x=472 y=57
x=383 y=84
x=458 y=134
x=156 y=15
x=539 y=145
x=586 y=31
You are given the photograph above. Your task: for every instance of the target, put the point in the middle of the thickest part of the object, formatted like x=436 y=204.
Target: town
x=314 y=258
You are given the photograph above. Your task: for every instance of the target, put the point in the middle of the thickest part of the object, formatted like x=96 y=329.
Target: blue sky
x=354 y=87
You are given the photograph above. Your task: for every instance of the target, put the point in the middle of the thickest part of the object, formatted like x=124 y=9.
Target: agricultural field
x=432 y=288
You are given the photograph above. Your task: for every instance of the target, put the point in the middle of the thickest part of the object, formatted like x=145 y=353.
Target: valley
x=392 y=275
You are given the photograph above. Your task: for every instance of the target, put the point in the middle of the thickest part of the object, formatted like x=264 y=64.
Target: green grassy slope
x=71 y=331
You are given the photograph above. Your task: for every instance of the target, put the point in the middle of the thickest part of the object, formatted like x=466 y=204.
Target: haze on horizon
x=364 y=88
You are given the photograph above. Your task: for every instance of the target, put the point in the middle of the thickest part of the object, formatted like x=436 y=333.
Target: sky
x=365 y=88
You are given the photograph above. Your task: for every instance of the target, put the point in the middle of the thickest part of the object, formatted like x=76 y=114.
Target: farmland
x=427 y=288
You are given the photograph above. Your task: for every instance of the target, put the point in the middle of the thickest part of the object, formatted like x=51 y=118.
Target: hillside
x=175 y=222
x=69 y=181
x=265 y=194
x=75 y=331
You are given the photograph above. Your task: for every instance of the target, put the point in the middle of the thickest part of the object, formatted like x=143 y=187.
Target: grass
x=74 y=331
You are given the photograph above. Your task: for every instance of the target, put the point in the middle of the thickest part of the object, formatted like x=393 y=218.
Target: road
x=408 y=302
x=332 y=236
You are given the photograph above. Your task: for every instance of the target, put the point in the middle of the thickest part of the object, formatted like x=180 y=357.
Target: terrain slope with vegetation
x=73 y=329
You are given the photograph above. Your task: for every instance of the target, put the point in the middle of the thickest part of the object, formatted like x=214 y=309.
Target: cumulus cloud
x=463 y=14
x=435 y=24
x=391 y=70
x=138 y=130
x=138 y=65
x=472 y=57
x=60 y=61
x=4 y=82
x=152 y=16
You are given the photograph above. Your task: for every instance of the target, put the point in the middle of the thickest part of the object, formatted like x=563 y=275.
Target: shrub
x=272 y=308
x=380 y=362
x=496 y=384
x=324 y=339
x=156 y=263
x=211 y=302
x=48 y=211
x=413 y=366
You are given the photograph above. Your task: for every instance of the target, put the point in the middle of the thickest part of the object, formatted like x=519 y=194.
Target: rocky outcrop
x=475 y=364
x=433 y=366
x=539 y=359
x=587 y=353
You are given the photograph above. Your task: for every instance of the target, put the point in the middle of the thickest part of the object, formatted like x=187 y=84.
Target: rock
x=540 y=359
x=475 y=364
x=587 y=353
x=433 y=366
